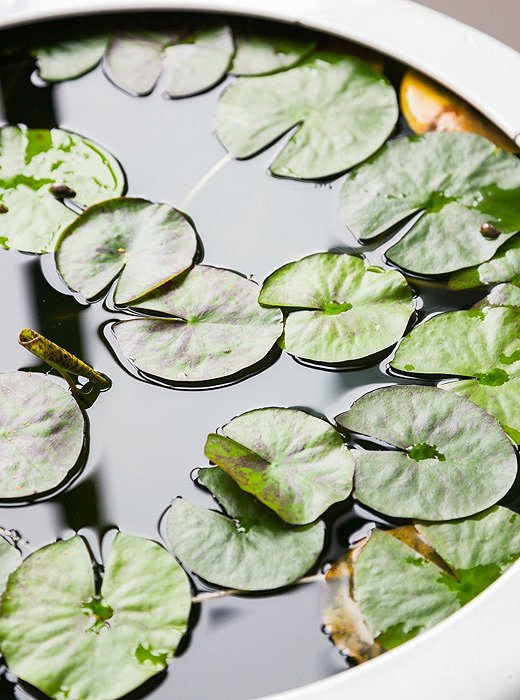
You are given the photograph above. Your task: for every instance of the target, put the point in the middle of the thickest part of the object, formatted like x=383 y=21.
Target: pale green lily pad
x=294 y=463
x=501 y=295
x=69 y=59
x=250 y=548
x=31 y=161
x=143 y=243
x=10 y=559
x=42 y=431
x=482 y=345
x=343 y=108
x=213 y=328
x=199 y=62
x=458 y=181
x=195 y=60
x=345 y=309
x=402 y=593
x=263 y=55
x=504 y=266
x=70 y=640
x=451 y=459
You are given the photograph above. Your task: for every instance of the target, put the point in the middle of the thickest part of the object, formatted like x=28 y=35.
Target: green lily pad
x=263 y=55
x=70 y=640
x=451 y=459
x=195 y=61
x=10 y=559
x=459 y=182
x=294 y=463
x=504 y=266
x=212 y=327
x=66 y=60
x=250 y=548
x=346 y=310
x=402 y=592
x=344 y=110
x=144 y=244
x=31 y=162
x=483 y=345
x=42 y=431
x=199 y=62
x=501 y=295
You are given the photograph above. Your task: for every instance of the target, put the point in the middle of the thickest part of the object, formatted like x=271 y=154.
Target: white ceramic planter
x=474 y=654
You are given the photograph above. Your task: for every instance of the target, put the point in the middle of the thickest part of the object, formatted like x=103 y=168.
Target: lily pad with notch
x=466 y=190
x=403 y=591
x=258 y=54
x=141 y=243
x=69 y=59
x=56 y=626
x=207 y=326
x=340 y=309
x=42 y=434
x=32 y=163
x=436 y=468
x=294 y=463
x=343 y=109
x=248 y=548
x=195 y=59
x=481 y=345
x=504 y=266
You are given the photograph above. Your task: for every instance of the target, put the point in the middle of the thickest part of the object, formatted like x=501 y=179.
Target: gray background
x=500 y=18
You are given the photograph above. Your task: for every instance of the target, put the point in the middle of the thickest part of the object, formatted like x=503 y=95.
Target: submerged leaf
x=294 y=463
x=452 y=458
x=263 y=55
x=66 y=60
x=32 y=162
x=214 y=328
x=460 y=183
x=143 y=243
x=345 y=309
x=427 y=106
x=250 y=550
x=69 y=641
x=10 y=559
x=480 y=344
x=504 y=266
x=401 y=592
x=41 y=434
x=344 y=111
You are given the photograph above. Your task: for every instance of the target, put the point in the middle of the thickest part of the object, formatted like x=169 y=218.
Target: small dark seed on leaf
x=489 y=231
x=62 y=191
x=3 y=209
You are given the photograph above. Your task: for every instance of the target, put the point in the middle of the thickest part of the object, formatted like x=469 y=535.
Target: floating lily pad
x=461 y=183
x=294 y=463
x=401 y=592
x=144 y=244
x=343 y=108
x=501 y=295
x=250 y=548
x=504 y=266
x=42 y=432
x=195 y=61
x=66 y=60
x=31 y=162
x=70 y=640
x=346 y=310
x=214 y=328
x=451 y=459
x=10 y=559
x=263 y=55
x=479 y=344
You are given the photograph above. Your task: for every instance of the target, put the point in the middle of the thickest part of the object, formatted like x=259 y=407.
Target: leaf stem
x=217 y=595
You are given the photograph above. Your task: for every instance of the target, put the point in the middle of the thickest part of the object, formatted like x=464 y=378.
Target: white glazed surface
x=474 y=654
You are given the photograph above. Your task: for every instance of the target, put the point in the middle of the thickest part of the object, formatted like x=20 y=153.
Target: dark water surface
x=147 y=439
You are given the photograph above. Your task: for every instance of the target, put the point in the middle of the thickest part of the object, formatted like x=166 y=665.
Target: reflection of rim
x=438 y=663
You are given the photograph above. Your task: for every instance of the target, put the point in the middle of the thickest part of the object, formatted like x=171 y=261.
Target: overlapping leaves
x=248 y=547
x=62 y=635
x=482 y=345
x=438 y=469
x=343 y=108
x=294 y=463
x=69 y=59
x=340 y=308
x=466 y=189
x=504 y=266
x=257 y=54
x=142 y=243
